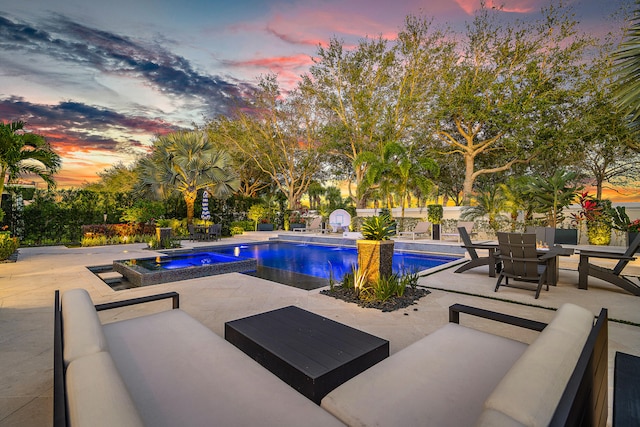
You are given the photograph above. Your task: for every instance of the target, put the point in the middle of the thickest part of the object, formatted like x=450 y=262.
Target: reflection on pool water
x=306 y=259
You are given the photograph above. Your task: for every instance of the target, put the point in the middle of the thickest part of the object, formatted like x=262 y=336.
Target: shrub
x=166 y=243
x=245 y=225
x=236 y=230
x=435 y=213
x=94 y=241
x=8 y=245
x=101 y=240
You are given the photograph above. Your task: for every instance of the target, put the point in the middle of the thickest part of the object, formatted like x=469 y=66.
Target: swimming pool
x=304 y=265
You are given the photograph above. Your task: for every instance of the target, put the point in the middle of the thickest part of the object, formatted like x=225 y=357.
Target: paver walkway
x=26 y=314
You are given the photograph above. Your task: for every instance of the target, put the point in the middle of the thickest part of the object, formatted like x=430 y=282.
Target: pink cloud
x=517 y=6
x=305 y=24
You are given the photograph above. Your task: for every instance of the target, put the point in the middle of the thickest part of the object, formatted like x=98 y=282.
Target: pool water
x=300 y=264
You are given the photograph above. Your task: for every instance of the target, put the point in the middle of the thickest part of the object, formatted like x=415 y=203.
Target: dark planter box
x=566 y=236
x=295 y=225
x=435 y=231
x=265 y=227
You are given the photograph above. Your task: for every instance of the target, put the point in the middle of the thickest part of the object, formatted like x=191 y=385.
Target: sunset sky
x=100 y=78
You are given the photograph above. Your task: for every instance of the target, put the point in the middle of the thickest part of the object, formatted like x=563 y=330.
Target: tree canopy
x=186 y=162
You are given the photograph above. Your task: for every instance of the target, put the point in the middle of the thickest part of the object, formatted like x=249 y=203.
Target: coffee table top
x=311 y=343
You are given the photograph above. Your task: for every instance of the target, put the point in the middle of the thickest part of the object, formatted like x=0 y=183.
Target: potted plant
x=598 y=216
x=375 y=250
x=434 y=216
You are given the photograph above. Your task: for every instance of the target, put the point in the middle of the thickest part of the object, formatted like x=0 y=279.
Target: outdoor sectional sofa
x=168 y=369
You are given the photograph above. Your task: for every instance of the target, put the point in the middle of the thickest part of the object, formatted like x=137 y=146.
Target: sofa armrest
x=456 y=309
x=117 y=304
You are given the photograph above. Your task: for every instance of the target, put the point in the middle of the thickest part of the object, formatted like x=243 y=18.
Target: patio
x=26 y=298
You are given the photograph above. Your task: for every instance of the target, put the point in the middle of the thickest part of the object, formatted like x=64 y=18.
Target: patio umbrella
x=205 y=216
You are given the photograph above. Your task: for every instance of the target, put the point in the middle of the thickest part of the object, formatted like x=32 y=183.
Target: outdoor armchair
x=611 y=275
x=477 y=261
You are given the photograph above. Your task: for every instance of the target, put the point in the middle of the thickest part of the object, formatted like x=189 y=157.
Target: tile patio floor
x=26 y=314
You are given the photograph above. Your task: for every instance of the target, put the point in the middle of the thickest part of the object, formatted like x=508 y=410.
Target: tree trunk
x=190 y=200
x=467 y=188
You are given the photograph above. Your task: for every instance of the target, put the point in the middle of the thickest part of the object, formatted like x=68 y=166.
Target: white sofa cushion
x=96 y=395
x=441 y=380
x=530 y=392
x=181 y=373
x=82 y=330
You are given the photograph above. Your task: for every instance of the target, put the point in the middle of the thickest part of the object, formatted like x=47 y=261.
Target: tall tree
x=278 y=135
x=186 y=162
x=513 y=79
x=374 y=94
x=602 y=126
x=25 y=153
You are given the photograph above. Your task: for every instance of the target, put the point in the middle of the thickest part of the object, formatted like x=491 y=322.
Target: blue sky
x=101 y=78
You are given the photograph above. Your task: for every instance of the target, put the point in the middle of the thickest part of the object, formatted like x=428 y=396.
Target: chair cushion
x=441 y=380
x=96 y=395
x=531 y=390
x=181 y=373
x=82 y=330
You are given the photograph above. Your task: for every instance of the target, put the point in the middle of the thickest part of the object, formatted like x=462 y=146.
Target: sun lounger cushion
x=531 y=390
x=81 y=327
x=181 y=373
x=96 y=395
x=441 y=380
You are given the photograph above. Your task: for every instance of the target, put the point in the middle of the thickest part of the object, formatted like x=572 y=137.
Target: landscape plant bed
x=409 y=298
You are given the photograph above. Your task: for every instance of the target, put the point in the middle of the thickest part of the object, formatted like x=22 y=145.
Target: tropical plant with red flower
x=593 y=210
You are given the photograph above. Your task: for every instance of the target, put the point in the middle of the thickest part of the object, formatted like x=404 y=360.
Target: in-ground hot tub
x=152 y=271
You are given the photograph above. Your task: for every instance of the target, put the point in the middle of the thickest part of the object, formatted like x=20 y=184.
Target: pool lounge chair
x=611 y=275
x=315 y=225
x=423 y=227
x=468 y=225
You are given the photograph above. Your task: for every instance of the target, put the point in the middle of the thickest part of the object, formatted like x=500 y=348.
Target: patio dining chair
x=520 y=261
x=214 y=232
x=611 y=275
x=195 y=233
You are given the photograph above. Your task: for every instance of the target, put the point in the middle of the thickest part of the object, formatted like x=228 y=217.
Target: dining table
x=548 y=255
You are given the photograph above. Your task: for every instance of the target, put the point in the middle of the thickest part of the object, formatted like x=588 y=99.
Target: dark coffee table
x=311 y=353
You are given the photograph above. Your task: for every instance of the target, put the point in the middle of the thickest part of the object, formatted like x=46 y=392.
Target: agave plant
x=377 y=228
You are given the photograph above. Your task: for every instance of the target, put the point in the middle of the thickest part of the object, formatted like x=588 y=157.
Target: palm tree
x=627 y=67
x=551 y=195
x=186 y=162
x=490 y=202
x=23 y=152
x=513 y=191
